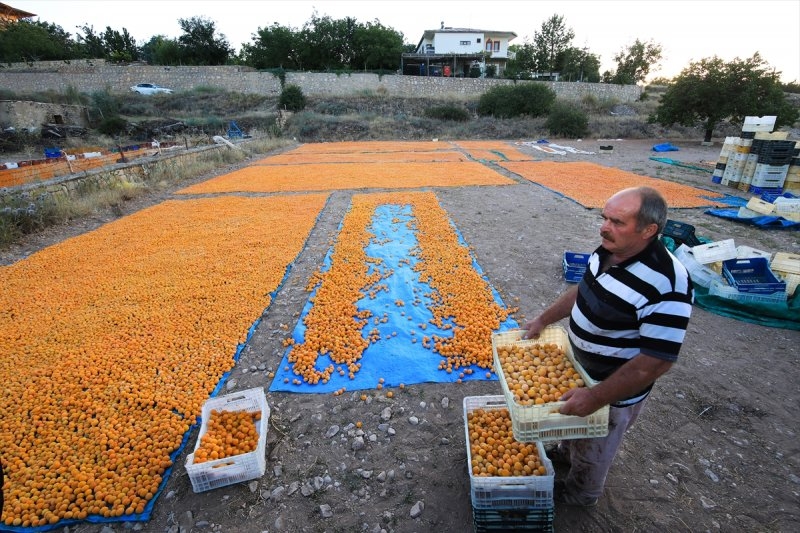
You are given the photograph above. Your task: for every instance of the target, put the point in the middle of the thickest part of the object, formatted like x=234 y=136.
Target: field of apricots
x=115 y=331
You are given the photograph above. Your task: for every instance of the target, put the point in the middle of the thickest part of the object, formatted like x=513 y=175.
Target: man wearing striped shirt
x=627 y=321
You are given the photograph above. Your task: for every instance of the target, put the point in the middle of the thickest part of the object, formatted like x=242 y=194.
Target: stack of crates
x=726 y=153
x=526 y=503
x=574 y=265
x=736 y=162
x=774 y=158
x=792 y=182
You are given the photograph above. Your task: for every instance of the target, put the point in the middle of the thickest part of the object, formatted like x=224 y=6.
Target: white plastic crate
x=722 y=289
x=744 y=252
x=544 y=422
x=701 y=274
x=506 y=492
x=765 y=123
x=235 y=469
x=714 y=251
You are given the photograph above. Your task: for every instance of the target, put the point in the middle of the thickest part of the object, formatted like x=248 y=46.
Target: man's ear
x=650 y=231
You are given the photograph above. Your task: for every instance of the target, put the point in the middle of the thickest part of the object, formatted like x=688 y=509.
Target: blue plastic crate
x=752 y=275
x=575 y=264
x=765 y=190
x=771 y=197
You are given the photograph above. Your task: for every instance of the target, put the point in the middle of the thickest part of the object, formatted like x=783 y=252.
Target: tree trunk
x=707 y=138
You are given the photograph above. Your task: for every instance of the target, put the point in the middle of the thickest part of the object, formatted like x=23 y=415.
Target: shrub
x=531 y=98
x=292 y=98
x=566 y=121
x=448 y=112
x=113 y=126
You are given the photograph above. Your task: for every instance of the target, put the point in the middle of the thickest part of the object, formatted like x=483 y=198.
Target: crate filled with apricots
x=504 y=473
x=534 y=374
x=231 y=446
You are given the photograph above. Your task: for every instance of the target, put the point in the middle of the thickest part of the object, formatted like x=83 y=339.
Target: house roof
x=11 y=13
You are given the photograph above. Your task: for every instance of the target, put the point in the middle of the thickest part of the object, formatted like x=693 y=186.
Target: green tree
x=377 y=46
x=523 y=62
x=161 y=50
x=199 y=43
x=550 y=41
x=36 y=41
x=710 y=91
x=120 y=46
x=579 y=65
x=272 y=47
x=327 y=44
x=91 y=43
x=635 y=62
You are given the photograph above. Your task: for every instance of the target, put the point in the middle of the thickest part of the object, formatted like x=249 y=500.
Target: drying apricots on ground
x=338 y=176
x=591 y=185
x=493 y=151
x=113 y=341
x=432 y=266
x=348 y=147
x=364 y=157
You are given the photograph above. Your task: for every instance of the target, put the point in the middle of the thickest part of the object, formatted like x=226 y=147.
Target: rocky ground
x=715 y=450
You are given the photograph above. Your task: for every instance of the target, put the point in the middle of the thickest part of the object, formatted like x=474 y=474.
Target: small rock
x=332 y=431
x=253 y=486
x=366 y=474
x=293 y=486
x=373 y=437
x=306 y=489
x=707 y=503
x=711 y=475
x=201 y=524
x=654 y=482
x=386 y=414
x=445 y=402
x=280 y=523
x=417 y=508
x=318 y=483
x=277 y=493
x=445 y=441
x=381 y=476
x=391 y=432
x=387 y=517
x=358 y=443
x=672 y=478
x=413 y=420
x=230 y=385
x=170 y=495
x=277 y=470
x=325 y=510
x=423 y=405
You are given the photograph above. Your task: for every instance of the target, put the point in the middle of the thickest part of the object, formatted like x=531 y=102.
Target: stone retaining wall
x=96 y=75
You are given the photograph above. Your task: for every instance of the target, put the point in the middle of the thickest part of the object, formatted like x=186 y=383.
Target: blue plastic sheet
x=764 y=222
x=395 y=357
x=665 y=147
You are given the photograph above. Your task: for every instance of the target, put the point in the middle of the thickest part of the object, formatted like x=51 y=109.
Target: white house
x=455 y=51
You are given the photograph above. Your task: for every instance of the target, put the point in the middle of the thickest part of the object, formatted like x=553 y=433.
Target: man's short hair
x=653 y=209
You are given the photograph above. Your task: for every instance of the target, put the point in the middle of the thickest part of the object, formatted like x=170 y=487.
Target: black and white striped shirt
x=641 y=305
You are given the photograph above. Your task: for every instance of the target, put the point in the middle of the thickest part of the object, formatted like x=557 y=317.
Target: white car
x=150 y=88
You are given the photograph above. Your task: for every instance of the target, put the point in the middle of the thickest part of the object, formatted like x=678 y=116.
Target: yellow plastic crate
x=544 y=422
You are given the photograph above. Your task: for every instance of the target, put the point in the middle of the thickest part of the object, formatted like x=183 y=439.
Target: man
x=628 y=319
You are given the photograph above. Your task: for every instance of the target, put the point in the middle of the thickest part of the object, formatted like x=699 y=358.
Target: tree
x=710 y=91
x=327 y=44
x=36 y=41
x=579 y=65
x=550 y=41
x=272 y=47
x=635 y=61
x=377 y=46
x=522 y=63
x=161 y=50
x=120 y=46
x=199 y=45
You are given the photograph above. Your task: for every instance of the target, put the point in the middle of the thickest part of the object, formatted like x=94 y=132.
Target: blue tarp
x=396 y=357
x=665 y=147
x=764 y=221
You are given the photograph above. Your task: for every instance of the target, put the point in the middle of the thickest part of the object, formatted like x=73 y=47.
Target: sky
x=687 y=30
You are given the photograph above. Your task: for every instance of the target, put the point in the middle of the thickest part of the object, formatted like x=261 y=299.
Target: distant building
x=10 y=14
x=458 y=52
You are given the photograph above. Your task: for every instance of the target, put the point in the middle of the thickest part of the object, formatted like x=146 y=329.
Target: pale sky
x=687 y=30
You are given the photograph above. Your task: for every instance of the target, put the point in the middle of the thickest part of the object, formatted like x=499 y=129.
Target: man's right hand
x=533 y=328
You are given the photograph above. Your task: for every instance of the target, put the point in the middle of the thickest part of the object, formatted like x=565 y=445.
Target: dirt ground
x=716 y=448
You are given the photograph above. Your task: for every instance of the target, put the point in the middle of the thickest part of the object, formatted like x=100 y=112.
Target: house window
x=478 y=40
x=488 y=45
x=497 y=46
x=465 y=43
